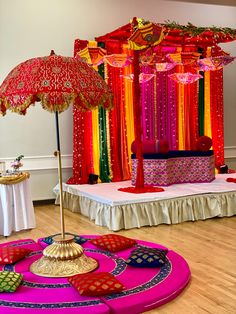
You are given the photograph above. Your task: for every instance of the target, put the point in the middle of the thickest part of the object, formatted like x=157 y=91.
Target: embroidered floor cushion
x=9 y=281
x=147 y=257
x=96 y=284
x=113 y=242
x=10 y=254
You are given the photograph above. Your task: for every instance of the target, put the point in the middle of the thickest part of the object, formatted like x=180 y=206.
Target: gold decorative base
x=63 y=258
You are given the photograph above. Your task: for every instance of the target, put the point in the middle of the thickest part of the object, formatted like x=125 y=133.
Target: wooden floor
x=208 y=246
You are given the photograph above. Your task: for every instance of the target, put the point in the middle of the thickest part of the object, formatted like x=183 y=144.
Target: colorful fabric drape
x=147 y=103
x=143 y=77
x=128 y=99
x=201 y=104
x=86 y=140
x=217 y=115
x=103 y=145
x=117 y=122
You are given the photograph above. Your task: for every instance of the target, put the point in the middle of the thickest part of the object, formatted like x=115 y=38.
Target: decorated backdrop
x=167 y=82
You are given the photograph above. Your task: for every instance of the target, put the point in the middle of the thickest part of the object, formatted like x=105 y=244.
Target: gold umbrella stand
x=63 y=257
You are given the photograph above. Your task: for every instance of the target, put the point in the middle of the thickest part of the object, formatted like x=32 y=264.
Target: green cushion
x=9 y=281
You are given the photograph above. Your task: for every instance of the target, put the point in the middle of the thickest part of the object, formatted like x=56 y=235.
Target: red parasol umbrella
x=57 y=82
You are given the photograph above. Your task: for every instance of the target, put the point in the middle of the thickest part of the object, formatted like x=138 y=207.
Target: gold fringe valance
x=14 y=179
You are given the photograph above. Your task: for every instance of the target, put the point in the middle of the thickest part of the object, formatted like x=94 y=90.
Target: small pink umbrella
x=118 y=60
x=214 y=63
x=165 y=66
x=185 y=78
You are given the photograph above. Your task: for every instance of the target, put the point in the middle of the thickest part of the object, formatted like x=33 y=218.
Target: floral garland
x=193 y=30
x=220 y=34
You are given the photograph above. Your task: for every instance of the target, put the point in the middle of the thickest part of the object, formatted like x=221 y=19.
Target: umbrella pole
x=64 y=257
x=58 y=153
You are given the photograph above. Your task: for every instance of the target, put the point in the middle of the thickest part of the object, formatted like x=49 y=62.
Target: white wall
x=30 y=28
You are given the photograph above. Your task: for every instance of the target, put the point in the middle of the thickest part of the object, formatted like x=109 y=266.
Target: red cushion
x=95 y=284
x=113 y=242
x=12 y=254
x=204 y=143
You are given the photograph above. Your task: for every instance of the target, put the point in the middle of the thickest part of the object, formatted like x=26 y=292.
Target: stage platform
x=118 y=210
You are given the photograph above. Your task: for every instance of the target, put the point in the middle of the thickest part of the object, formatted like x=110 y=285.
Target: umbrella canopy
x=57 y=82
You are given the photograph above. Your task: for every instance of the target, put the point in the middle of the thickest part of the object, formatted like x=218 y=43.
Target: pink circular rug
x=146 y=288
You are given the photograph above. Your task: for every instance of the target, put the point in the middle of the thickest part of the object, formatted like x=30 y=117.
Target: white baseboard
x=35 y=163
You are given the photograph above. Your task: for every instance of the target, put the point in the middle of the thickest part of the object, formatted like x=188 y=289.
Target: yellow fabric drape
x=181 y=132
x=129 y=114
x=207 y=100
x=95 y=145
x=181 y=121
x=207 y=105
x=108 y=129
x=95 y=131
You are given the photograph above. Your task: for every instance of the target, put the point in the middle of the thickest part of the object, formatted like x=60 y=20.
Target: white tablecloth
x=16 y=208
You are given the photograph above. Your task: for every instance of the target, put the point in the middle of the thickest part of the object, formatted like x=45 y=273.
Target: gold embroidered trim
x=14 y=179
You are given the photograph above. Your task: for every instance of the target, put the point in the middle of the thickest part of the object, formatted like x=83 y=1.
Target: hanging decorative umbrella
x=148 y=59
x=147 y=35
x=92 y=55
x=57 y=82
x=214 y=63
x=118 y=60
x=183 y=58
x=165 y=66
x=185 y=78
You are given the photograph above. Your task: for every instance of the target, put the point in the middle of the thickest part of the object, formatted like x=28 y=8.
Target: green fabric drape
x=201 y=105
x=103 y=160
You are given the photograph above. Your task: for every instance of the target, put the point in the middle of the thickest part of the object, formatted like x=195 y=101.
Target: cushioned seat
x=183 y=166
